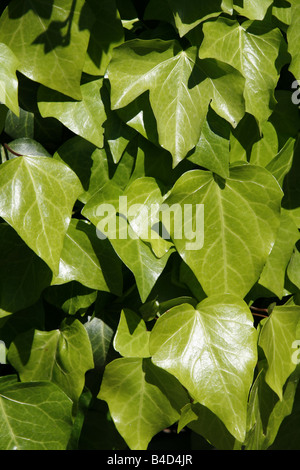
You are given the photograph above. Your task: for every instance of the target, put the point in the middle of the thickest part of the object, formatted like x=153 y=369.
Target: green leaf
x=90 y=111
x=241 y=219
x=293 y=38
x=8 y=79
x=277 y=339
x=252 y=9
x=23 y=274
x=87 y=259
x=202 y=421
x=212 y=152
x=71 y=297
x=293 y=269
x=62 y=356
x=29 y=185
x=142 y=398
x=211 y=350
x=132 y=337
x=134 y=253
x=49 y=41
x=189 y=14
x=243 y=46
x=273 y=274
x=34 y=416
x=181 y=88
x=87 y=161
x=267 y=413
x=106 y=33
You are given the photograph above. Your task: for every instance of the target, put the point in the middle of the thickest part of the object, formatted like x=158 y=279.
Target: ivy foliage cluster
x=107 y=342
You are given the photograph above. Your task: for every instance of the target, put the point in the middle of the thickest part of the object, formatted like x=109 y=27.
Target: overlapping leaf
x=84 y=117
x=277 y=338
x=181 y=88
x=87 y=259
x=23 y=274
x=253 y=49
x=62 y=356
x=8 y=79
x=49 y=40
x=212 y=352
x=142 y=398
x=34 y=416
x=241 y=219
x=37 y=197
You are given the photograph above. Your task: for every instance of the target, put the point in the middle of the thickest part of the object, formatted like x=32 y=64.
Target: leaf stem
x=12 y=151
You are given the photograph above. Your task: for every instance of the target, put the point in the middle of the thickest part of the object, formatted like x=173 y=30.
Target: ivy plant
x=149 y=224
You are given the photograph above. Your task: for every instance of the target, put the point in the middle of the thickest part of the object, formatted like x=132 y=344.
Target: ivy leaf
x=266 y=412
x=181 y=88
x=29 y=185
x=293 y=269
x=8 y=79
x=241 y=219
x=142 y=398
x=34 y=416
x=273 y=274
x=132 y=337
x=87 y=259
x=106 y=33
x=189 y=14
x=277 y=339
x=49 y=41
x=212 y=152
x=23 y=274
x=202 y=421
x=62 y=356
x=87 y=161
x=211 y=350
x=134 y=253
x=243 y=46
x=293 y=38
x=84 y=117
x=252 y=9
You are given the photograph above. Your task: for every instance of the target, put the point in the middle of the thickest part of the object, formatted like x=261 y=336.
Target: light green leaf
x=62 y=356
x=293 y=269
x=253 y=50
x=142 y=398
x=189 y=14
x=34 y=416
x=181 y=88
x=84 y=118
x=48 y=40
x=281 y=164
x=23 y=274
x=241 y=219
x=140 y=259
x=277 y=339
x=212 y=352
x=252 y=9
x=202 y=421
x=87 y=259
x=135 y=254
x=273 y=274
x=293 y=38
x=212 y=152
x=106 y=33
x=8 y=79
x=132 y=337
x=29 y=185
